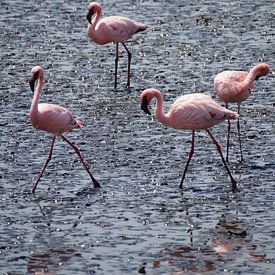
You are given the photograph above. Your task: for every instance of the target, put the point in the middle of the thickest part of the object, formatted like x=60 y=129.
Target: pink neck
x=163 y=118
x=36 y=96
x=251 y=76
x=96 y=18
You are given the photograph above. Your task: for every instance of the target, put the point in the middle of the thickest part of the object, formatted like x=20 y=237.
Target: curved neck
x=36 y=95
x=251 y=76
x=96 y=18
x=92 y=33
x=161 y=116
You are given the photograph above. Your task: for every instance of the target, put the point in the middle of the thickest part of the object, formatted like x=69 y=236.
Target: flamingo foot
x=241 y=160
x=96 y=183
x=234 y=185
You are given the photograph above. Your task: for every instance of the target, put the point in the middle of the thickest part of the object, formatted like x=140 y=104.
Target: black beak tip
x=144 y=106
x=31 y=82
x=89 y=17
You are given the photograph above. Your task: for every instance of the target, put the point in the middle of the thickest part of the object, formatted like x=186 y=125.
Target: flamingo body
x=193 y=112
x=228 y=86
x=116 y=29
x=235 y=87
x=53 y=119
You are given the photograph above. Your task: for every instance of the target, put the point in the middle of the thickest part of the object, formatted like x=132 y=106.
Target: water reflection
x=67 y=231
x=187 y=258
x=231 y=235
x=50 y=262
x=228 y=241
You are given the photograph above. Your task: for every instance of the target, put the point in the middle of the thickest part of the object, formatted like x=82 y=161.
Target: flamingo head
x=146 y=97
x=261 y=69
x=78 y=124
x=36 y=72
x=93 y=8
x=144 y=105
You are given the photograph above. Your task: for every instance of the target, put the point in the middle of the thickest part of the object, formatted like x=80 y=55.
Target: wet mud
x=139 y=222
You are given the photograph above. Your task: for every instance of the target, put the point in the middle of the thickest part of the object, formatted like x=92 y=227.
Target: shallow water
x=139 y=221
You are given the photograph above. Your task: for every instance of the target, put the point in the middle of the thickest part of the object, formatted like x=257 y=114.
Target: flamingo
x=235 y=87
x=116 y=29
x=193 y=112
x=53 y=119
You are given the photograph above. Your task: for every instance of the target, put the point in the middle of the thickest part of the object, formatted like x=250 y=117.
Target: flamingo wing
x=199 y=113
x=54 y=119
x=229 y=85
x=117 y=28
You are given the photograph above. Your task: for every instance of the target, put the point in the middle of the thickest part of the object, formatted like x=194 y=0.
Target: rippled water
x=139 y=221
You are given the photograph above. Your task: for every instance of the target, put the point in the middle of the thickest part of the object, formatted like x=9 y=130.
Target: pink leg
x=234 y=183
x=239 y=136
x=45 y=165
x=188 y=161
x=95 y=182
x=129 y=64
x=228 y=135
x=116 y=64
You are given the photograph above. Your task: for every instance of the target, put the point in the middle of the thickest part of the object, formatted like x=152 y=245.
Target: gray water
x=139 y=222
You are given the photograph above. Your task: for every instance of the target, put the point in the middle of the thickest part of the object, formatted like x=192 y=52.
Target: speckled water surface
x=139 y=222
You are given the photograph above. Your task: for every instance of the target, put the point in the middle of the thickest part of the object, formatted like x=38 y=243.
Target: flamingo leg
x=189 y=158
x=234 y=183
x=239 y=136
x=129 y=64
x=95 y=182
x=228 y=135
x=45 y=165
x=116 y=64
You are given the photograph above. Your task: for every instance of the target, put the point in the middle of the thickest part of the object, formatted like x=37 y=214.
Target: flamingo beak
x=89 y=16
x=144 y=105
x=32 y=83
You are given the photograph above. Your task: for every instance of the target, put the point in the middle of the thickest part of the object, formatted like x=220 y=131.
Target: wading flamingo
x=235 y=87
x=116 y=29
x=53 y=119
x=193 y=112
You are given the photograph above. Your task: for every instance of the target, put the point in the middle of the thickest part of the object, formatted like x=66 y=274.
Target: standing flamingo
x=53 y=119
x=115 y=29
x=235 y=87
x=193 y=112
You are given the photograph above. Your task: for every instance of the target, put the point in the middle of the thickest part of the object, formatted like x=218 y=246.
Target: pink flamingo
x=235 y=87
x=53 y=119
x=193 y=112
x=115 y=29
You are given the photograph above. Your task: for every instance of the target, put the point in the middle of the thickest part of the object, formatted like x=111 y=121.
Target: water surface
x=139 y=221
